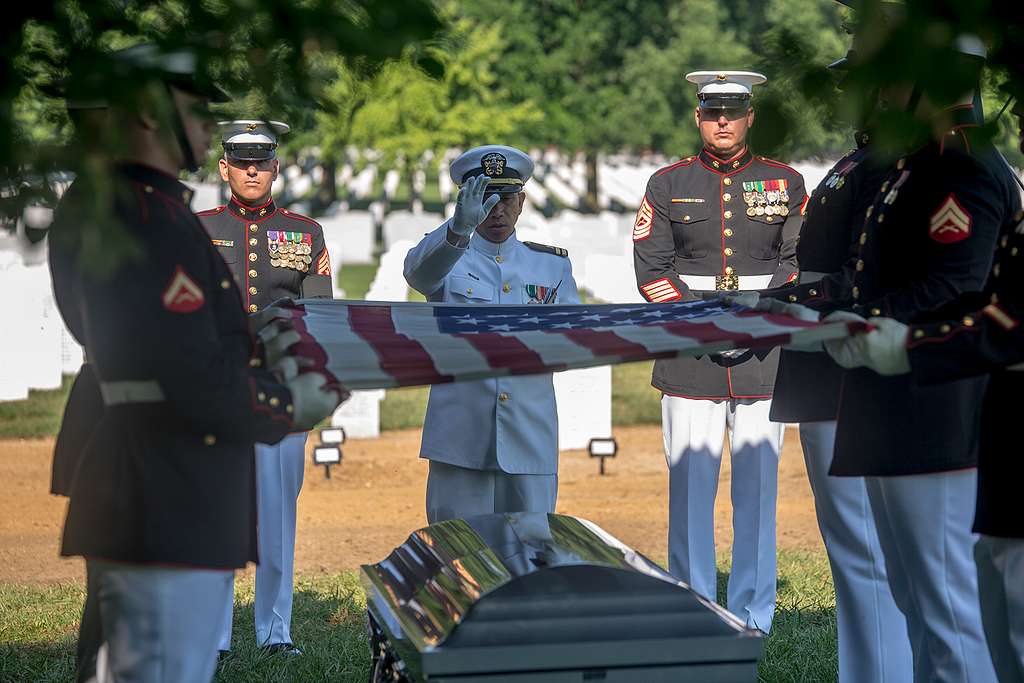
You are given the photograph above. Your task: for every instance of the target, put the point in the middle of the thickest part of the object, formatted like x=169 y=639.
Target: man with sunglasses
x=718 y=221
x=272 y=253
x=492 y=444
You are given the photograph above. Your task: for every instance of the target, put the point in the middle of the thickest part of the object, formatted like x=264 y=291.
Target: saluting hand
x=471 y=209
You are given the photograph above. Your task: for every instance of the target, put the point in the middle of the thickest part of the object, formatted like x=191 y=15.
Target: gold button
x=876 y=312
x=289 y=409
x=728 y=232
x=728 y=251
x=252 y=242
x=900 y=164
x=253 y=228
x=995 y=270
x=225 y=284
x=1013 y=252
x=881 y=217
x=726 y=197
x=1003 y=242
x=885 y=188
x=918 y=334
x=715 y=164
x=735 y=164
x=968 y=321
x=856 y=292
x=871 y=210
x=253 y=308
x=728 y=214
x=686 y=218
x=994 y=299
x=255 y=362
x=253 y=273
x=813 y=292
x=727 y=181
x=728 y=270
x=149 y=188
x=252 y=290
x=469 y=290
x=824 y=200
x=499 y=258
x=945 y=328
x=261 y=397
x=252 y=256
x=506 y=288
x=274 y=401
x=792 y=298
x=210 y=440
x=860 y=265
x=503 y=396
x=863 y=238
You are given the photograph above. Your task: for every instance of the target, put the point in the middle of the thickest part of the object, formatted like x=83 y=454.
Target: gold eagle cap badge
x=494 y=164
x=251 y=127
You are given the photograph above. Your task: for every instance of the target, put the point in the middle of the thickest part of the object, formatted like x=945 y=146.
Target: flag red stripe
x=606 y=343
x=401 y=357
x=509 y=353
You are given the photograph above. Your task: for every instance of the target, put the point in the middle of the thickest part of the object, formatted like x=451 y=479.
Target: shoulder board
x=212 y=212
x=778 y=164
x=682 y=163
x=557 y=251
x=297 y=216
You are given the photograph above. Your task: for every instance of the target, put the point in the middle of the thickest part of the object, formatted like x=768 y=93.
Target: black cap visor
x=250 y=151
x=724 y=101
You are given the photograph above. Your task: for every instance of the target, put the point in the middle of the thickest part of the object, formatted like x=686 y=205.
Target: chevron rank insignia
x=644 y=221
x=182 y=294
x=950 y=223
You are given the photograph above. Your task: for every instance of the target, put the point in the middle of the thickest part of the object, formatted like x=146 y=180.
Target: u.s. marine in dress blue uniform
x=272 y=253
x=708 y=224
x=927 y=238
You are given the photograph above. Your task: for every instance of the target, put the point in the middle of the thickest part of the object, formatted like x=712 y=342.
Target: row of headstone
x=349 y=236
x=404 y=225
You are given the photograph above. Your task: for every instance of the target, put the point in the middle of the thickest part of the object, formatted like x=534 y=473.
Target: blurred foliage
x=408 y=79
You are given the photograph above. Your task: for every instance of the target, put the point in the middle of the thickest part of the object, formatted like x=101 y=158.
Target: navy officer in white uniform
x=492 y=444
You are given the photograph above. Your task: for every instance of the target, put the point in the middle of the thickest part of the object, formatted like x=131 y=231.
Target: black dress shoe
x=282 y=649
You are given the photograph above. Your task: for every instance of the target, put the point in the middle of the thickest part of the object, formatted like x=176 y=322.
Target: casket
x=542 y=597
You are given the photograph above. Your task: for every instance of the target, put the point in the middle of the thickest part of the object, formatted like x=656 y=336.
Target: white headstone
x=205 y=196
x=405 y=225
x=360 y=415
x=14 y=377
x=584 y=399
x=362 y=183
x=389 y=282
x=391 y=181
x=349 y=237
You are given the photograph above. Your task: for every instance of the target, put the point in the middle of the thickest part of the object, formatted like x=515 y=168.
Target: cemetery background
x=595 y=92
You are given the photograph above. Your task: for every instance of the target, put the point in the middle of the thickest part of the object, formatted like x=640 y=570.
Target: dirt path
x=375 y=499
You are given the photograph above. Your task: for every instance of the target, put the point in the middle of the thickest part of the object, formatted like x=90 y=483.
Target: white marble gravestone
x=360 y=415
x=584 y=399
x=349 y=237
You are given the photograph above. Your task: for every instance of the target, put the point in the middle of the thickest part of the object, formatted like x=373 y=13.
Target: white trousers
x=873 y=642
x=924 y=528
x=459 y=492
x=279 y=472
x=159 y=625
x=1000 y=564
x=694 y=432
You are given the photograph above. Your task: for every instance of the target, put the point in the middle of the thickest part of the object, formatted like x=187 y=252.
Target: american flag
x=371 y=345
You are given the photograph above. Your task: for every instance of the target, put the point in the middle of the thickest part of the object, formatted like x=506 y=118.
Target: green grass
x=355 y=279
x=403 y=408
x=38 y=627
x=37 y=416
x=634 y=400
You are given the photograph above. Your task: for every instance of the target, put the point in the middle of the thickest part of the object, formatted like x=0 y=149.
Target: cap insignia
x=493 y=163
x=721 y=77
x=251 y=127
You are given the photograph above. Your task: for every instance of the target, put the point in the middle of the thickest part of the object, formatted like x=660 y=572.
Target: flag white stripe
x=451 y=355
x=351 y=359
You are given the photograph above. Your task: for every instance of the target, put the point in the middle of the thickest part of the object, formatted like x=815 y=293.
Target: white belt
x=117 y=393
x=809 y=276
x=706 y=283
x=1019 y=367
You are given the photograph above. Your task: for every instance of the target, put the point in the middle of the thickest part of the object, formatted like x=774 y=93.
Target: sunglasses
x=730 y=113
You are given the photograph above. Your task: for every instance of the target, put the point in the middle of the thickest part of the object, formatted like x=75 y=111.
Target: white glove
x=883 y=349
x=749 y=299
x=260 y=319
x=471 y=209
x=886 y=347
x=311 y=402
x=798 y=311
x=277 y=339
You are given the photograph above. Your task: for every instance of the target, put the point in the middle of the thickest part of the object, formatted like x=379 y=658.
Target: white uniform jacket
x=507 y=424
